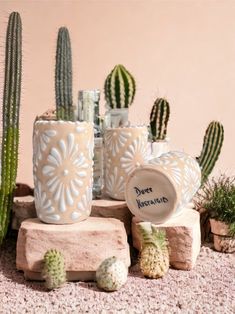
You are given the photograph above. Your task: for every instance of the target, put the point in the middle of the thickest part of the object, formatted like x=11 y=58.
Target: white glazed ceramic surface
x=159 y=148
x=125 y=149
x=62 y=168
x=161 y=189
x=185 y=172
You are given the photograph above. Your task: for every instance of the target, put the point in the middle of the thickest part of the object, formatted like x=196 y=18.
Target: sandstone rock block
x=23 y=208
x=183 y=233
x=84 y=245
x=109 y=208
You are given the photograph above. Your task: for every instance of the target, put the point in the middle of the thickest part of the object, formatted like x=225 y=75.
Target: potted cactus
x=217 y=198
x=63 y=151
x=10 y=120
x=159 y=117
x=125 y=145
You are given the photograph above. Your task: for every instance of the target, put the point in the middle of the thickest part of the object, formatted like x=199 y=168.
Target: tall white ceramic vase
x=62 y=168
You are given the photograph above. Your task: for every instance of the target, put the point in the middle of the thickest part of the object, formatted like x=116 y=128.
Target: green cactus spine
x=54 y=269
x=159 y=117
x=212 y=144
x=63 y=77
x=10 y=120
x=119 y=88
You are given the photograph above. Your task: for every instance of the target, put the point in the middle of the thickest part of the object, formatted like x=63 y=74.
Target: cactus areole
x=10 y=119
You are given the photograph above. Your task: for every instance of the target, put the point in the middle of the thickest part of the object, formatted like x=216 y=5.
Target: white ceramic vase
x=62 y=168
x=125 y=150
x=163 y=188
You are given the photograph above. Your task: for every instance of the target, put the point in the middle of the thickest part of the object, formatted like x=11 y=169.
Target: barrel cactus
x=112 y=274
x=212 y=144
x=63 y=77
x=10 y=119
x=54 y=269
x=159 y=119
x=154 y=255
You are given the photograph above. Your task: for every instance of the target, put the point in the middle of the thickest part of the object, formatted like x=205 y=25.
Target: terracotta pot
x=62 y=168
x=222 y=241
x=125 y=149
x=163 y=188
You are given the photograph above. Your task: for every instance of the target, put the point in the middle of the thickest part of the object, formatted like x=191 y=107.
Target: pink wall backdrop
x=183 y=50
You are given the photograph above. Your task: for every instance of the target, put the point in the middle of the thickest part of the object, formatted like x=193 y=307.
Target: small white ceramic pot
x=159 y=148
x=62 y=168
x=115 y=118
x=163 y=188
x=125 y=150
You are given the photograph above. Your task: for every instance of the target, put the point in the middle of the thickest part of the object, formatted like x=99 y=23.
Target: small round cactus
x=54 y=269
x=112 y=274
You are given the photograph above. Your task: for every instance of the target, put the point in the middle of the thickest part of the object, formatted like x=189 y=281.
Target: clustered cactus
x=54 y=269
x=63 y=77
x=159 y=119
x=154 y=254
x=212 y=143
x=119 y=88
x=112 y=274
x=10 y=120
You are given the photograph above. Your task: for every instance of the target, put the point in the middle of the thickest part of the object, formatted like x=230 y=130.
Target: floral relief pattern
x=40 y=143
x=115 y=141
x=135 y=155
x=66 y=169
x=115 y=184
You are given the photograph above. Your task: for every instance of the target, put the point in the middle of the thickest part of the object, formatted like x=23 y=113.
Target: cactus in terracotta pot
x=63 y=77
x=119 y=89
x=212 y=144
x=10 y=119
x=159 y=118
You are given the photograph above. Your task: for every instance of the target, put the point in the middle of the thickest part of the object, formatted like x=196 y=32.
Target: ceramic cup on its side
x=62 y=169
x=157 y=191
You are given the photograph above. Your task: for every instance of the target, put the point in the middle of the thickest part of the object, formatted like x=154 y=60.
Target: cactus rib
x=63 y=76
x=11 y=107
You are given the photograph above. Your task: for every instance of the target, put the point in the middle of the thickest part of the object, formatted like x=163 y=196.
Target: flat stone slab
x=84 y=245
x=109 y=208
x=184 y=236
x=23 y=208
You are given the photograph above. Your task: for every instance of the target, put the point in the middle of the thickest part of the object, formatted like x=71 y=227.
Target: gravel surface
x=208 y=288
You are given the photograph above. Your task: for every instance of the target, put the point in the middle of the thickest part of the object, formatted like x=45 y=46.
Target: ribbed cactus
x=212 y=143
x=119 y=88
x=159 y=119
x=54 y=269
x=10 y=119
x=63 y=77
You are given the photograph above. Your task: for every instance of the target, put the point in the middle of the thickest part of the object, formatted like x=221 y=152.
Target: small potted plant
x=158 y=125
x=125 y=145
x=63 y=151
x=217 y=197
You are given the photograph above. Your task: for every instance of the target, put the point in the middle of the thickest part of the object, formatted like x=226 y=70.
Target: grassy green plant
x=218 y=198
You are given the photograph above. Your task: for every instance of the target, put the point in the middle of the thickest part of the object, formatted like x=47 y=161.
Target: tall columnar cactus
x=159 y=119
x=63 y=77
x=10 y=119
x=212 y=143
x=54 y=271
x=119 y=88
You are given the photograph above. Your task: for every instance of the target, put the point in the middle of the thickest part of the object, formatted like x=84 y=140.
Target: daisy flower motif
x=115 y=184
x=85 y=204
x=40 y=142
x=114 y=141
x=66 y=170
x=43 y=204
x=135 y=155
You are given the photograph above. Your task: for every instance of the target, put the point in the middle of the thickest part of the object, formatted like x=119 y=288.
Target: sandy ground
x=208 y=288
